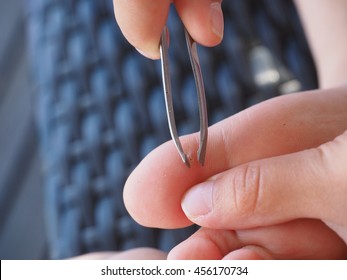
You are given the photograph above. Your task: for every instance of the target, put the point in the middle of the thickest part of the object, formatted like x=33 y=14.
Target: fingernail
x=198 y=200
x=217 y=21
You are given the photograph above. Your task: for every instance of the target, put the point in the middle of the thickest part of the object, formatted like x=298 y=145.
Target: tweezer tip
x=201 y=154
x=201 y=159
x=186 y=160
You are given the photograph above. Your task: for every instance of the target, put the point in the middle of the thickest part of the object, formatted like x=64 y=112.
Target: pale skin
x=274 y=185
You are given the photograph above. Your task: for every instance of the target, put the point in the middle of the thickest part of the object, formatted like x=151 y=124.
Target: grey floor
x=21 y=196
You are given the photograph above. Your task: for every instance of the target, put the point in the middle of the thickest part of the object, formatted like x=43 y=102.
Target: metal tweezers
x=194 y=60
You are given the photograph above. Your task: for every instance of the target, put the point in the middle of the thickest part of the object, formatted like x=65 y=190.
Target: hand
x=269 y=165
x=142 y=21
x=133 y=254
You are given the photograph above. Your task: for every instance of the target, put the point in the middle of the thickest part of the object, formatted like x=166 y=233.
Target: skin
x=133 y=254
x=274 y=182
x=143 y=30
x=325 y=28
x=291 y=160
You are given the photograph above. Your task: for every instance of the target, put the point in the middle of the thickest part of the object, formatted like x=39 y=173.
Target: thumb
x=203 y=19
x=307 y=184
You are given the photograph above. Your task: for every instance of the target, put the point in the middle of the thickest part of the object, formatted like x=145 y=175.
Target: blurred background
x=22 y=233
x=80 y=108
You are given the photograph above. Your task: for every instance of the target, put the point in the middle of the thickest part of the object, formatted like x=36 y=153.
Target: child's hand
x=142 y=21
x=271 y=164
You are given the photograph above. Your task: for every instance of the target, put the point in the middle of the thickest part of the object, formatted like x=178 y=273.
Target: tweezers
x=194 y=60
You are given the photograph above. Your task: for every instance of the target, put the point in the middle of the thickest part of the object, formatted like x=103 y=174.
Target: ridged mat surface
x=100 y=106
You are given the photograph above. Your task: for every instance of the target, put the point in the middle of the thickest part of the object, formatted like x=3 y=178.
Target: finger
x=142 y=22
x=206 y=244
x=249 y=253
x=299 y=239
x=203 y=20
x=283 y=125
x=141 y=254
x=275 y=190
x=133 y=254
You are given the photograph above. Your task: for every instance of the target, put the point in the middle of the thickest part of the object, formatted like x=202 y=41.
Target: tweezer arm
x=164 y=54
x=194 y=59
